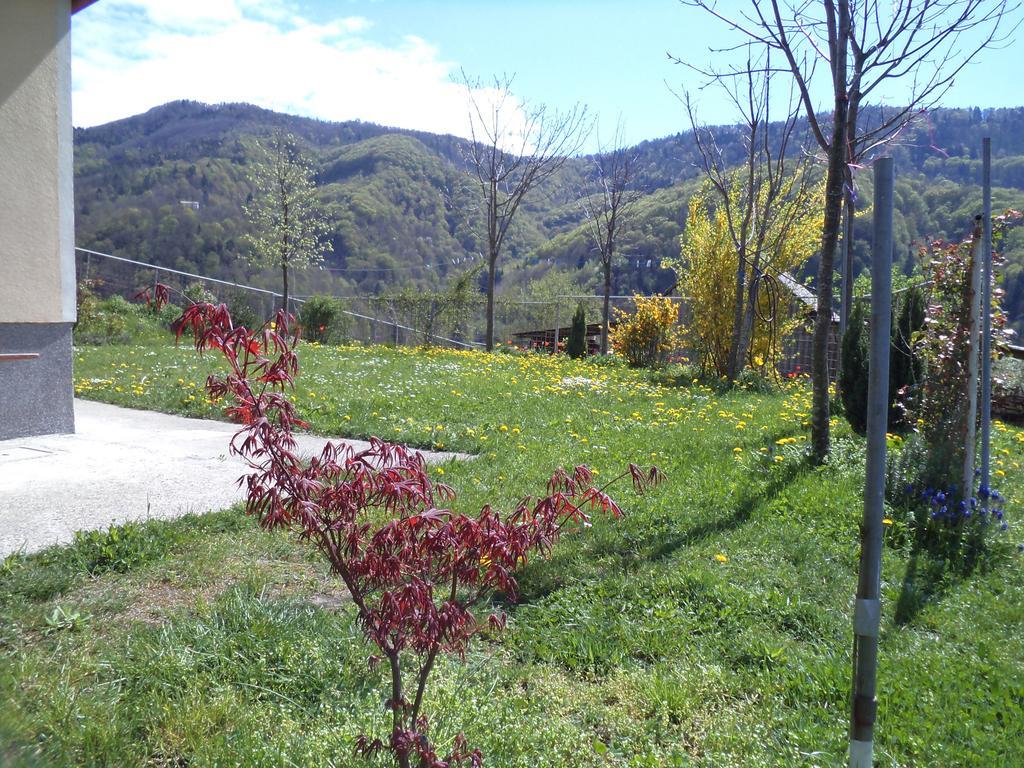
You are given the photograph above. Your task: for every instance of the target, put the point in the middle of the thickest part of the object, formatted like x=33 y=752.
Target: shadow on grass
x=741 y=512
x=626 y=551
x=924 y=582
x=935 y=567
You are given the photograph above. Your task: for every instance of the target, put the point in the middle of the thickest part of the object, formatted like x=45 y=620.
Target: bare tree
x=764 y=198
x=515 y=147
x=607 y=204
x=864 y=46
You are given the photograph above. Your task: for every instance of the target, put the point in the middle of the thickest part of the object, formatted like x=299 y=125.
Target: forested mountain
x=403 y=211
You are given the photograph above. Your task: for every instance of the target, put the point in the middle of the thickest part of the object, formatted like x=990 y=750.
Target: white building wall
x=37 y=264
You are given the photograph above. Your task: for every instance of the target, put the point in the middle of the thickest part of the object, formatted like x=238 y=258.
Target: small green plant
x=119 y=549
x=322 y=319
x=577 y=346
x=62 y=619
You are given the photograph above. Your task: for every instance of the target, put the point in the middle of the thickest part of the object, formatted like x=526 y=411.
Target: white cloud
x=131 y=55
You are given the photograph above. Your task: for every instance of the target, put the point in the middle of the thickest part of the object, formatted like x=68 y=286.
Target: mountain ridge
x=403 y=211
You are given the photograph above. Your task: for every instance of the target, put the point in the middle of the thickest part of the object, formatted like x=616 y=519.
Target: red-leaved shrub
x=416 y=571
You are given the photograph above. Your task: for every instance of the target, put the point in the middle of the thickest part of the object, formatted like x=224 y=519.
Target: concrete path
x=121 y=464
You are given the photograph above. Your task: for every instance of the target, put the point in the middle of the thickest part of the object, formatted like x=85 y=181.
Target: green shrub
x=197 y=293
x=168 y=314
x=245 y=309
x=323 y=319
x=577 y=344
x=906 y=368
x=752 y=380
x=103 y=321
x=853 y=370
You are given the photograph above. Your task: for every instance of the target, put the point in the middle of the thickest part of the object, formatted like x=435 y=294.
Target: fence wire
x=540 y=323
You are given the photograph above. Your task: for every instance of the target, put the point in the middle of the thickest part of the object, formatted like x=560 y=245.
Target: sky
x=397 y=62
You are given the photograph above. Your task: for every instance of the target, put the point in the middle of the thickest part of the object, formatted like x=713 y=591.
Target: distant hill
x=403 y=211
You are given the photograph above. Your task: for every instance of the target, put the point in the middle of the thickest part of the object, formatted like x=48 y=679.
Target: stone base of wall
x=36 y=395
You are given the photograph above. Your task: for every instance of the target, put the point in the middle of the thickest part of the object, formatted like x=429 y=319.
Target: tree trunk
x=492 y=264
x=826 y=268
x=492 y=258
x=606 y=310
x=735 y=359
x=747 y=326
x=284 y=295
x=837 y=157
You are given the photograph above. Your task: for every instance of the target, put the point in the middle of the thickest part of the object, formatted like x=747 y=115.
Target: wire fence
x=519 y=321
x=119 y=275
x=537 y=323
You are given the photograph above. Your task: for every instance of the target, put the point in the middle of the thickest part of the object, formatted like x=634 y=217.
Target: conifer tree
x=577 y=345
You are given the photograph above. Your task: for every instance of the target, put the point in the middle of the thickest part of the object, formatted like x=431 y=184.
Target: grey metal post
x=867 y=611
x=986 y=325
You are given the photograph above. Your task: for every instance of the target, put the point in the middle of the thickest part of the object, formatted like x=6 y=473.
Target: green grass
x=710 y=626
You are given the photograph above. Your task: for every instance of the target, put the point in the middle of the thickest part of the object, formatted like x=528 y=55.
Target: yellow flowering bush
x=646 y=337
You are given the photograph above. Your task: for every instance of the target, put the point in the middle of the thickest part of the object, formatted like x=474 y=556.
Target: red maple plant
x=415 y=570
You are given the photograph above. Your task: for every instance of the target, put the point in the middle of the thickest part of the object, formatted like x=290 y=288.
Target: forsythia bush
x=707 y=269
x=646 y=336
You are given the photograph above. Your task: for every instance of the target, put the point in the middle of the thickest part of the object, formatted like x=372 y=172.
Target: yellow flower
x=886 y=521
x=440 y=470
x=721 y=558
x=737 y=449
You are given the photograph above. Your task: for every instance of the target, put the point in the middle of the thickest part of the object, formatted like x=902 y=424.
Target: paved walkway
x=121 y=464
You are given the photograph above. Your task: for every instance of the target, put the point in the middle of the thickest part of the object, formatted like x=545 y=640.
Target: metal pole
x=986 y=326
x=970 y=433
x=867 y=611
x=554 y=349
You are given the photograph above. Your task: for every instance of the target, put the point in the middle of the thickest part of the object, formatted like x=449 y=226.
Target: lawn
x=711 y=626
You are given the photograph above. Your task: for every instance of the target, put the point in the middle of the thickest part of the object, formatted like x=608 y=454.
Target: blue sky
x=392 y=61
